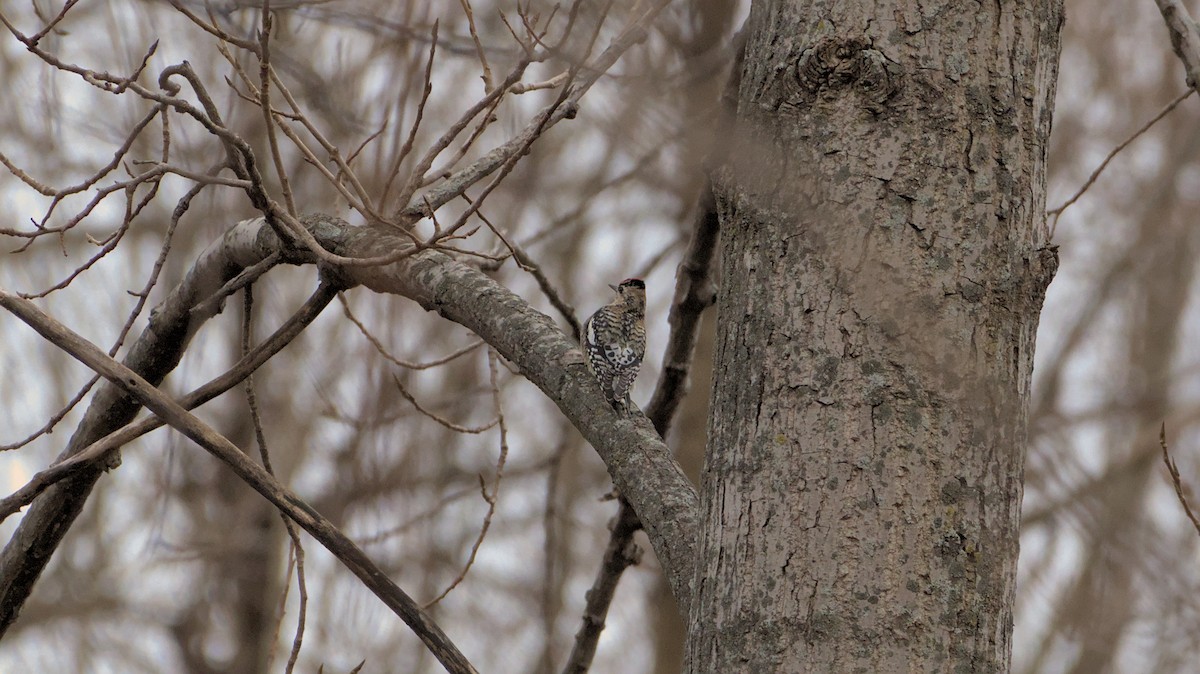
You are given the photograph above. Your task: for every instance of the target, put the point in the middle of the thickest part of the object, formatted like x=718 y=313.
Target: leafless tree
x=400 y=159
x=192 y=184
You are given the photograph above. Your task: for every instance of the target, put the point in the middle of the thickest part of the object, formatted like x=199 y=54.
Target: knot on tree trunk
x=834 y=66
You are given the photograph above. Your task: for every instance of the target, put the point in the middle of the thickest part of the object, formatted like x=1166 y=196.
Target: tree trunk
x=883 y=270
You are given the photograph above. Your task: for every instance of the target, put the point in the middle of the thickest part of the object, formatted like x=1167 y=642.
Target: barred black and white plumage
x=614 y=341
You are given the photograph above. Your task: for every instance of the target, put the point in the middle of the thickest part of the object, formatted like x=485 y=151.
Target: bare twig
x=96 y=176
x=213 y=303
x=410 y=139
x=444 y=501
x=413 y=206
x=302 y=591
x=45 y=429
x=563 y=108
x=264 y=86
x=362 y=198
x=366 y=141
x=109 y=246
x=552 y=554
x=489 y=498
x=359 y=200
x=142 y=296
x=440 y=420
x=553 y=82
x=1057 y=212
x=1176 y=481
x=383 y=351
x=62 y=14
x=505 y=169
x=487 y=72
x=39 y=187
x=162 y=168
x=528 y=264
x=561 y=223
x=260 y=438
x=212 y=29
x=485 y=120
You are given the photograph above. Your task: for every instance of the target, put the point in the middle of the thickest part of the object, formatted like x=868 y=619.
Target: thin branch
x=260 y=437
x=489 y=498
x=564 y=108
x=264 y=96
x=1057 y=212
x=620 y=554
x=212 y=29
x=142 y=296
x=1175 y=479
x=302 y=591
x=379 y=536
x=487 y=72
x=527 y=263
x=410 y=139
x=552 y=83
x=407 y=198
x=100 y=449
x=552 y=553
x=45 y=430
x=62 y=14
x=88 y=183
x=215 y=302
x=41 y=188
x=382 y=350
x=362 y=199
x=259 y=479
x=204 y=178
x=440 y=420
x=108 y=247
x=505 y=169
x=485 y=120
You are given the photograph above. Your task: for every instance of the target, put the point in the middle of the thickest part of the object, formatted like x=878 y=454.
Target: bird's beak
x=615 y=289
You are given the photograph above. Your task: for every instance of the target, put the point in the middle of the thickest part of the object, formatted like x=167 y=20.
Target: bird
x=614 y=341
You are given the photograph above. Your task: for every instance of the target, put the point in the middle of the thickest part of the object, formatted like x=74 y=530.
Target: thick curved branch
x=695 y=291
x=636 y=456
x=638 y=460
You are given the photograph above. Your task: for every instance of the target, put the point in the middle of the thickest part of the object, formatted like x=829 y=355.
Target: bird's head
x=631 y=289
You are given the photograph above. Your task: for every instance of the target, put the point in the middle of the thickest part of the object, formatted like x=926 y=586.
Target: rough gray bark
x=883 y=270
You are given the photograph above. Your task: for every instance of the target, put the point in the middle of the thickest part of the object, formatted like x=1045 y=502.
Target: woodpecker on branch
x=614 y=340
